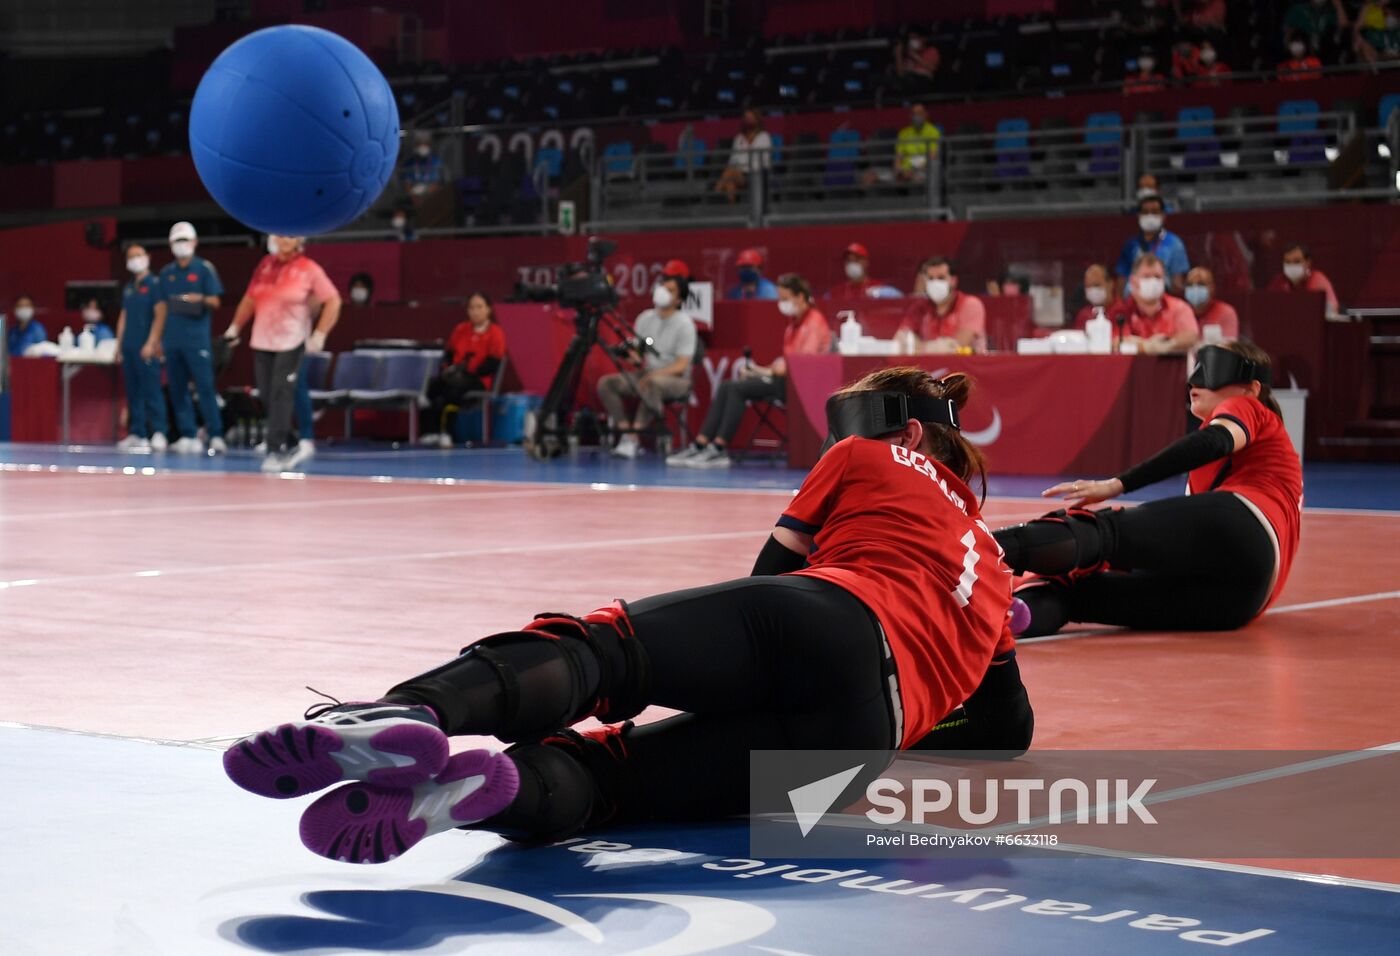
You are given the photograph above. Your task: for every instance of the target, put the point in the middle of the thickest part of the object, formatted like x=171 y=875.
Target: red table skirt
x=36 y=397
x=1090 y=415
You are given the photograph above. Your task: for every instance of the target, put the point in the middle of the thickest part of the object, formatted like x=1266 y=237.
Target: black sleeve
x=777 y=558
x=1194 y=450
x=997 y=717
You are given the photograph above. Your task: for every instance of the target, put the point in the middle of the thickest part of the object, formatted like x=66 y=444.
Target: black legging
x=449 y=388
x=276 y=374
x=759 y=663
x=1192 y=563
x=733 y=397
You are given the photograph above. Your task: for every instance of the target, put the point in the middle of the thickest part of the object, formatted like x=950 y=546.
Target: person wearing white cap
x=191 y=288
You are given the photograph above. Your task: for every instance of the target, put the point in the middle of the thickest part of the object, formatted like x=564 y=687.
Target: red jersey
x=967 y=313
x=851 y=290
x=474 y=348
x=1174 y=317
x=1222 y=314
x=1314 y=281
x=1265 y=472
x=903 y=534
x=811 y=336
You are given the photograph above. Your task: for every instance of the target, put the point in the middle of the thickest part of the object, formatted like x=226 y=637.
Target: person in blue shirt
x=24 y=330
x=191 y=289
x=139 y=328
x=93 y=322
x=1153 y=237
x=752 y=285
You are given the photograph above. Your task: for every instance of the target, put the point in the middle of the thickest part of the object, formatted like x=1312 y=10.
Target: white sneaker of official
x=260 y=448
x=188 y=446
x=304 y=451
x=217 y=446
x=158 y=442
x=274 y=463
x=627 y=447
x=685 y=456
x=133 y=443
x=712 y=456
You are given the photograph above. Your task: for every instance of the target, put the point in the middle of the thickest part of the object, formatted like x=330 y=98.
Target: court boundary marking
x=1322 y=879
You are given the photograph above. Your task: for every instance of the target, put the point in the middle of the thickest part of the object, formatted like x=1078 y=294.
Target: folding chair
x=486 y=397
x=767 y=433
x=400 y=379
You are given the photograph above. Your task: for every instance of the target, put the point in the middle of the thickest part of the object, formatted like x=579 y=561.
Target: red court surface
x=189 y=607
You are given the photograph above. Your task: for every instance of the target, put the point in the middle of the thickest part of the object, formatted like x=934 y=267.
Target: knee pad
x=577 y=781
x=1061 y=542
x=624 y=684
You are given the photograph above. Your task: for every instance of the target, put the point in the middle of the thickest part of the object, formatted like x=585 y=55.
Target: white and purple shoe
x=392 y=745
x=368 y=823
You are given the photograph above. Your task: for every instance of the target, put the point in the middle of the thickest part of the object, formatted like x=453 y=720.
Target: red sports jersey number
x=963 y=592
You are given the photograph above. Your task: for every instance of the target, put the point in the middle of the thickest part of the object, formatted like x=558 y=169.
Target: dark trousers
x=1191 y=563
x=191 y=362
x=277 y=374
x=732 y=399
x=449 y=388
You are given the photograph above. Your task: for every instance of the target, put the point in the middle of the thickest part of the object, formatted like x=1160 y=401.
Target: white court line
x=402 y=556
x=294 y=505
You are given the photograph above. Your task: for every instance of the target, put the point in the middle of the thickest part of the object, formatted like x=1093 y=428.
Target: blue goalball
x=294 y=131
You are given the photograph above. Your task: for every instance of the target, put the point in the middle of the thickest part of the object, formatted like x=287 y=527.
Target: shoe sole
x=295 y=759
x=365 y=823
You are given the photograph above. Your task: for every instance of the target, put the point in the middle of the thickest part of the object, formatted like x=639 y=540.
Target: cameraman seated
x=664 y=351
x=473 y=355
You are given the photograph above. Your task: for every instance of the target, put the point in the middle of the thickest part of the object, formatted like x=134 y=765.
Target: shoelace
x=316 y=710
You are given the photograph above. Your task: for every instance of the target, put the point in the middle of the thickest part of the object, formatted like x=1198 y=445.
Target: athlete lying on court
x=877 y=606
x=1213 y=559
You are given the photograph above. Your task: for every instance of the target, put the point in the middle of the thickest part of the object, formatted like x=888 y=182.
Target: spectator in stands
x=473 y=356
x=401 y=221
x=1209 y=70
x=1316 y=21
x=285 y=289
x=95 y=322
x=192 y=290
x=1157 y=323
x=916 y=60
x=856 y=263
x=1144 y=79
x=1096 y=293
x=361 y=288
x=1298 y=275
x=25 y=330
x=1148 y=185
x=946 y=319
x=1376 y=35
x=807 y=333
x=139 y=327
x=1186 y=59
x=752 y=284
x=422 y=173
x=1301 y=64
x=1200 y=295
x=1153 y=238
x=752 y=150
x=664 y=373
x=914 y=147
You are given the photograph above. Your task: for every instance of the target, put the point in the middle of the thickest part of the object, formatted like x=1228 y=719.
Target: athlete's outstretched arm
x=785 y=550
x=1220 y=438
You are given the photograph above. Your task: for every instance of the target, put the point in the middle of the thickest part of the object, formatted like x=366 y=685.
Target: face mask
x=272 y=245
x=1207 y=56
x=92 y=315
x=855 y=271
x=1294 y=271
x=24 y=313
x=938 y=289
x=1145 y=191
x=359 y=295
x=1197 y=295
x=1146 y=63
x=662 y=298
x=1149 y=222
x=182 y=248
x=919 y=119
x=1150 y=288
x=1297 y=49
x=1096 y=294
x=137 y=265
x=748 y=275
x=788 y=307
x=399 y=224
x=424 y=152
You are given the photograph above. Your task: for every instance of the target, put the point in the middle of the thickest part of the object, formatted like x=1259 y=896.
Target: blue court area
x=1327 y=485
x=141 y=847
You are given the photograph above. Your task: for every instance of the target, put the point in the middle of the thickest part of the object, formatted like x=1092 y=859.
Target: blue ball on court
x=294 y=131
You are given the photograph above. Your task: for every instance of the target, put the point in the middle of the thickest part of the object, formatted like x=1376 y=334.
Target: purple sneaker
x=365 y=823
x=392 y=745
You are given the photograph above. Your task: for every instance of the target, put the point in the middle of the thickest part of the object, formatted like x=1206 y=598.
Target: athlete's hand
x=1080 y=493
x=148 y=351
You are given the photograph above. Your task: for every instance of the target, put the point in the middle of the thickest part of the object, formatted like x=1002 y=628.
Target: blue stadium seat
x=1103 y=134
x=1197 y=131
x=1298 y=121
x=551 y=158
x=842 y=152
x=1013 y=147
x=777 y=139
x=1389 y=104
x=617 y=159
x=690 y=153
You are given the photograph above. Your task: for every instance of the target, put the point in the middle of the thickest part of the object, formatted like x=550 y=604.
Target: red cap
x=677 y=268
x=750 y=257
x=856 y=249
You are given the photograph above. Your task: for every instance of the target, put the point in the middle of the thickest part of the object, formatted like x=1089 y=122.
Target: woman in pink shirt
x=286 y=286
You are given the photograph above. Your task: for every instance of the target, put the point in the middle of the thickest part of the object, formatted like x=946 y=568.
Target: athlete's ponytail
x=1253 y=353
x=942 y=443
